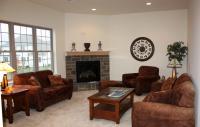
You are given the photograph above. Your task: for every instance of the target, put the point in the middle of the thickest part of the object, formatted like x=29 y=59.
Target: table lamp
x=174 y=64
x=4 y=69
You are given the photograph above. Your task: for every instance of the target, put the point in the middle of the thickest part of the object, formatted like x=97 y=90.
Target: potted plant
x=177 y=51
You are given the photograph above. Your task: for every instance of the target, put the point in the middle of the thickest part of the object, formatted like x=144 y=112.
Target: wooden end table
x=16 y=94
x=110 y=108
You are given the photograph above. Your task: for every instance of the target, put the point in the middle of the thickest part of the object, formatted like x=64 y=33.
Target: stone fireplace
x=87 y=71
x=87 y=68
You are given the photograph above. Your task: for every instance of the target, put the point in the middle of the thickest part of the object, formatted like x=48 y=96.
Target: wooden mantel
x=87 y=53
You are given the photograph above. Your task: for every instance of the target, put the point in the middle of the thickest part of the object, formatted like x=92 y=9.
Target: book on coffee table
x=118 y=92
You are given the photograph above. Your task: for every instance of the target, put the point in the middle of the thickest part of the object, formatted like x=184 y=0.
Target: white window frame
x=13 y=58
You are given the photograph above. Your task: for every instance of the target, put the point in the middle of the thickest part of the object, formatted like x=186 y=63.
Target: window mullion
x=35 y=50
x=12 y=46
x=52 y=54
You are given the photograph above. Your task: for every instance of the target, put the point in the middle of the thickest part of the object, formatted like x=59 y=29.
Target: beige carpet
x=68 y=113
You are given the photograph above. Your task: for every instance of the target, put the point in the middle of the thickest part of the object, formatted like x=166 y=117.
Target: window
x=44 y=49
x=23 y=39
x=4 y=43
x=25 y=47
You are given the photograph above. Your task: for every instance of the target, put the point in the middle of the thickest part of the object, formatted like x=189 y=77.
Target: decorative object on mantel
x=87 y=46
x=73 y=47
x=142 y=49
x=99 y=46
x=176 y=52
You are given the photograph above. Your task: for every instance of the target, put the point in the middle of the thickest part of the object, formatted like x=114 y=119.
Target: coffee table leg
x=91 y=109
x=9 y=110
x=117 y=113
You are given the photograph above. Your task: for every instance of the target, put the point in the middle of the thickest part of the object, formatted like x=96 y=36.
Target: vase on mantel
x=87 y=46
x=73 y=47
x=99 y=46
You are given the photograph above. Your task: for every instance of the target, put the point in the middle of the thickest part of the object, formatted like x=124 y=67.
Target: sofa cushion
x=184 y=95
x=34 y=81
x=158 y=111
x=184 y=77
x=42 y=76
x=54 y=91
x=55 y=80
x=168 y=84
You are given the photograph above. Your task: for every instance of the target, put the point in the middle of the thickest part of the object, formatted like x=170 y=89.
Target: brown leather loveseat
x=169 y=108
x=45 y=94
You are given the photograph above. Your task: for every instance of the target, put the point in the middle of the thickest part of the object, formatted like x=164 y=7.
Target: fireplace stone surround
x=71 y=59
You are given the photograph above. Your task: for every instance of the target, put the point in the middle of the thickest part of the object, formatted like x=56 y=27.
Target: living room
x=116 y=28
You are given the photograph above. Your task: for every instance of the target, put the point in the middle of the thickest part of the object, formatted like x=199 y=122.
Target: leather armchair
x=103 y=84
x=170 y=108
x=142 y=80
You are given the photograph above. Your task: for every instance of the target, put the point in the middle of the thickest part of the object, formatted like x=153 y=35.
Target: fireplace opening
x=87 y=71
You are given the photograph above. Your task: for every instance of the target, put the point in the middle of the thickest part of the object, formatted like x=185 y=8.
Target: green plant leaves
x=177 y=50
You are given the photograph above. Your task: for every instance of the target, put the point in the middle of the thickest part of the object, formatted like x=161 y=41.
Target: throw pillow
x=182 y=78
x=33 y=81
x=55 y=80
x=168 y=84
x=184 y=95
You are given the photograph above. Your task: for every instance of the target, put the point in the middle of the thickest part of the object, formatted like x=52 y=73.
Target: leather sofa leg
x=40 y=109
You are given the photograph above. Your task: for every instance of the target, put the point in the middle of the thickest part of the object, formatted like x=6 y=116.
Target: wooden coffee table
x=110 y=108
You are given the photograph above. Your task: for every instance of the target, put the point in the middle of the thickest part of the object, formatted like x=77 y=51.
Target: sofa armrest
x=103 y=84
x=164 y=112
x=129 y=76
x=27 y=86
x=68 y=82
x=148 y=78
x=35 y=93
x=161 y=96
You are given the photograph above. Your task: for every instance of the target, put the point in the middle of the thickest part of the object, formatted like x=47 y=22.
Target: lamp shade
x=4 y=67
x=174 y=64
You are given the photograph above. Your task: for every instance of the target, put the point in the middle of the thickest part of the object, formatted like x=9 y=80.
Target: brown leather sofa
x=169 y=108
x=44 y=95
x=142 y=80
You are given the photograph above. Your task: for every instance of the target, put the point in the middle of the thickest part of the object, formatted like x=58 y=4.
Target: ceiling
x=111 y=7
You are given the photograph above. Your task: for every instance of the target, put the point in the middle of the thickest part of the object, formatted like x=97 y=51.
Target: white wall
x=162 y=28
x=81 y=28
x=194 y=50
x=22 y=11
x=118 y=31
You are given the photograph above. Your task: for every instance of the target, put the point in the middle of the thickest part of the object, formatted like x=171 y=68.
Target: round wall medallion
x=142 y=49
